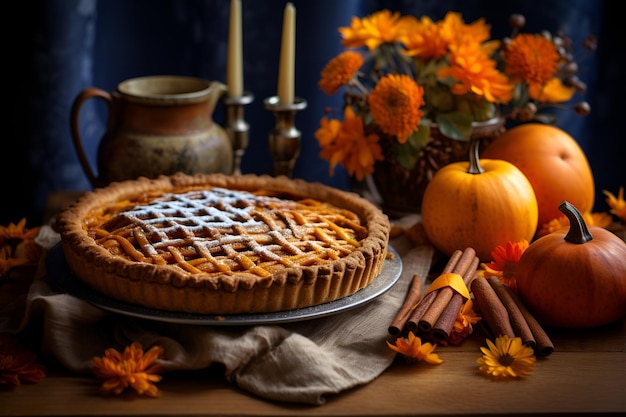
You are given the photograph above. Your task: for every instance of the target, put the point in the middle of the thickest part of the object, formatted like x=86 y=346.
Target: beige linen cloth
x=301 y=362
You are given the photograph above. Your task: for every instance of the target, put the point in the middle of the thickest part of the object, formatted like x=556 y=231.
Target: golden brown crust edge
x=169 y=288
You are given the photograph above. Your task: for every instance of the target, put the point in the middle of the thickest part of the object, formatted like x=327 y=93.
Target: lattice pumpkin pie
x=218 y=244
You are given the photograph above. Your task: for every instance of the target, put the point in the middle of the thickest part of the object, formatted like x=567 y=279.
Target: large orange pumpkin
x=552 y=161
x=479 y=204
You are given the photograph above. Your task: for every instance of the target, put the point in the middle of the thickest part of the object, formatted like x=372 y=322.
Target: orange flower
x=18 y=247
x=18 y=365
x=424 y=39
x=7 y=262
x=395 y=105
x=463 y=326
x=17 y=232
x=339 y=71
x=453 y=27
x=476 y=73
x=533 y=59
x=413 y=349
x=347 y=144
x=591 y=219
x=617 y=204
x=504 y=262
x=372 y=31
x=132 y=369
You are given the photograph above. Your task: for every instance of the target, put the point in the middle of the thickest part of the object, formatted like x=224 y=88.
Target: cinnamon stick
x=544 y=345
x=410 y=301
x=445 y=323
x=415 y=317
x=518 y=322
x=444 y=295
x=413 y=321
x=491 y=308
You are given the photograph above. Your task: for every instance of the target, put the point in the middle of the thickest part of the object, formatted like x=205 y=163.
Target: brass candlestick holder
x=236 y=126
x=284 y=139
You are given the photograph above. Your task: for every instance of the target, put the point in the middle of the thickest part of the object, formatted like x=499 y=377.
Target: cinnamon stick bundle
x=445 y=294
x=412 y=308
x=445 y=323
x=424 y=305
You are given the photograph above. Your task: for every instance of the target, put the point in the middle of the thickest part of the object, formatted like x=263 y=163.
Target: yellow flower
x=339 y=71
x=506 y=358
x=617 y=204
x=347 y=144
x=504 y=262
x=414 y=349
x=395 y=105
x=381 y=27
x=132 y=369
x=16 y=364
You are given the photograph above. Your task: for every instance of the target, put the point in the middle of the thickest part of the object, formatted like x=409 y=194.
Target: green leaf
x=408 y=152
x=455 y=125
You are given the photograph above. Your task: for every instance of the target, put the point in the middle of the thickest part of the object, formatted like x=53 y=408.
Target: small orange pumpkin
x=552 y=161
x=479 y=204
x=576 y=277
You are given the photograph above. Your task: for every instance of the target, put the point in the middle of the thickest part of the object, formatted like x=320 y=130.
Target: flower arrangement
x=403 y=75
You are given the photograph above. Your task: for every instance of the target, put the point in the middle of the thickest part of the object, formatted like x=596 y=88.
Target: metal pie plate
x=63 y=279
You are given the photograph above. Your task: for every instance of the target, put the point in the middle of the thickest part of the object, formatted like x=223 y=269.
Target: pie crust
x=220 y=244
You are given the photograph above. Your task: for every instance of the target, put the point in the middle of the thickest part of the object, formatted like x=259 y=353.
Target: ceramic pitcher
x=156 y=125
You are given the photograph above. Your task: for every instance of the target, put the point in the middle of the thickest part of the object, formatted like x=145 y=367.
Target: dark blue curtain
x=60 y=47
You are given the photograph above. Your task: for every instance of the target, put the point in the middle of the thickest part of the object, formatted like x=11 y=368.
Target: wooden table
x=586 y=374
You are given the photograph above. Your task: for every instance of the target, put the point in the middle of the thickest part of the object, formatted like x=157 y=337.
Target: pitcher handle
x=83 y=96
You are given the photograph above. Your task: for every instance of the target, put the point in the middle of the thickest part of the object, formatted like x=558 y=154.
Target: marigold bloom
x=617 y=204
x=395 y=105
x=347 y=144
x=339 y=71
x=504 y=262
x=506 y=358
x=413 y=349
x=18 y=365
x=533 y=59
x=132 y=369
x=372 y=31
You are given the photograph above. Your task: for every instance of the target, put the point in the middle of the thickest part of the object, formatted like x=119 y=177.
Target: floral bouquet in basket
x=401 y=76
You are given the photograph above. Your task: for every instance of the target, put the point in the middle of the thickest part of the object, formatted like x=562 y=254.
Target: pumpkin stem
x=474 y=161
x=578 y=231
